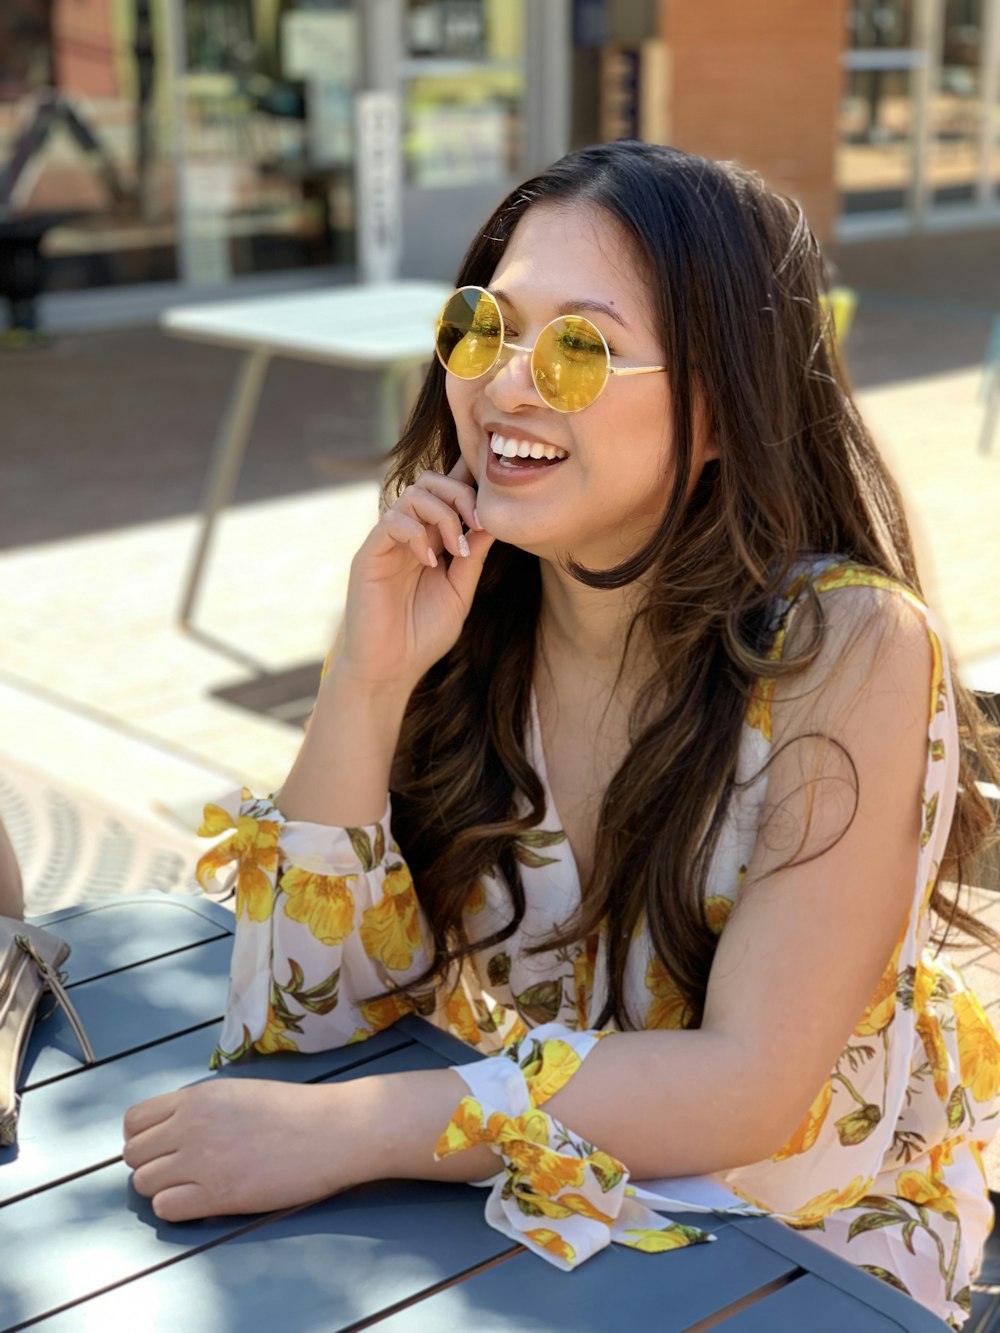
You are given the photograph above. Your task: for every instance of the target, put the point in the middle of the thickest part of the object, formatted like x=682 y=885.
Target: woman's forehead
x=563 y=253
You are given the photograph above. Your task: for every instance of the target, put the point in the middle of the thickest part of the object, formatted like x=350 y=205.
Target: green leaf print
x=524 y=847
x=930 y=815
x=379 y=850
x=362 y=847
x=486 y=1019
x=219 y=1055
x=606 y=1177
x=541 y=1003
x=498 y=969
x=955 y=1110
x=526 y=1206
x=858 y=1124
x=937 y=750
x=963 y=1299
x=905 y=983
x=872 y=1222
x=884 y=1275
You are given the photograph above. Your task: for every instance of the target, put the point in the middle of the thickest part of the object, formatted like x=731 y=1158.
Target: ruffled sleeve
x=556 y=1194
x=327 y=921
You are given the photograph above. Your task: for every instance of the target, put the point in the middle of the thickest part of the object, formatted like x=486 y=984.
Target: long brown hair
x=735 y=276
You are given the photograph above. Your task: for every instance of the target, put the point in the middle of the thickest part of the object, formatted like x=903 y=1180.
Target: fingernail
x=463 y=545
x=475 y=519
x=432 y=559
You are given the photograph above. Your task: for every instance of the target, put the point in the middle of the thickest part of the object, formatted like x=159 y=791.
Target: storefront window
x=957 y=108
x=463 y=91
x=267 y=135
x=85 y=141
x=877 y=120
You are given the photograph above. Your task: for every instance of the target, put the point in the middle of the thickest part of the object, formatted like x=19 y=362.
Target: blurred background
x=165 y=155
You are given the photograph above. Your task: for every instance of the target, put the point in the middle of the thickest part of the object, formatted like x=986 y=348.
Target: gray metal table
x=81 y=1250
x=387 y=327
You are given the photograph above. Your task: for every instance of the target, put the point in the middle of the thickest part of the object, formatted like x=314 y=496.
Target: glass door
x=879 y=121
x=266 y=135
x=957 y=109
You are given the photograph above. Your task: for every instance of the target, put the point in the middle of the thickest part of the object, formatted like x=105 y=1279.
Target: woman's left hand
x=239 y=1146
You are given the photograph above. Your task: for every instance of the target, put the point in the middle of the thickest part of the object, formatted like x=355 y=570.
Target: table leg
x=224 y=468
x=991 y=414
x=396 y=395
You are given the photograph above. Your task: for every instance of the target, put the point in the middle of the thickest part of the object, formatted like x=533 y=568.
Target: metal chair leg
x=227 y=459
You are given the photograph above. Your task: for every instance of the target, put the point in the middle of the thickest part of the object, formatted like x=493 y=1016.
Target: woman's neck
x=588 y=625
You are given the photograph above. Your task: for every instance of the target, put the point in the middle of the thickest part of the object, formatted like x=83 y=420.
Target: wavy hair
x=735 y=276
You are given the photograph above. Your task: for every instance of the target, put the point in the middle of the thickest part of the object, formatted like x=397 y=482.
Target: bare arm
x=11 y=888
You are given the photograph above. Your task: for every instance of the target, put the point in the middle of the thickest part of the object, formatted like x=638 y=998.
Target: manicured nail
x=475 y=520
x=463 y=545
x=432 y=559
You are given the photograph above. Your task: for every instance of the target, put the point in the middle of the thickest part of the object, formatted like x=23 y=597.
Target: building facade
x=185 y=146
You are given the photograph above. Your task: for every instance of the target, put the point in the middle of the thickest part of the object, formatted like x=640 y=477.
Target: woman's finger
x=153 y=1111
x=434 y=513
x=455 y=490
x=405 y=530
x=464 y=575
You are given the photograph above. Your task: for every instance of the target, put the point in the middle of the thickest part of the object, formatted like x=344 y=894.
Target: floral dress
x=885 y=1168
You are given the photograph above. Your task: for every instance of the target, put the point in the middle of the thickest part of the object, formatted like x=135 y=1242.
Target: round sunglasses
x=570 y=361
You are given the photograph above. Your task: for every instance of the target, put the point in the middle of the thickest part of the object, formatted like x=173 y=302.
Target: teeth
x=525 y=449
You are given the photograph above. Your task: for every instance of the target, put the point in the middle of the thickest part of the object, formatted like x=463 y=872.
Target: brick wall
x=759 y=81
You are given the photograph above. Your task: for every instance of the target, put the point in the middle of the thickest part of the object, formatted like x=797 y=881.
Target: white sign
x=317 y=44
x=379 y=186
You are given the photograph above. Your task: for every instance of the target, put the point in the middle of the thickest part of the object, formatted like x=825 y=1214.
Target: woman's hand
x=237 y=1146
x=251 y=1145
x=405 y=605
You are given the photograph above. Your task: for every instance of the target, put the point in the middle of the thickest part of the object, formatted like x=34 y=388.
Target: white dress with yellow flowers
x=885 y=1168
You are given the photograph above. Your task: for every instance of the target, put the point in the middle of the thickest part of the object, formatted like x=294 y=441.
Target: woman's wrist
x=394 y=1122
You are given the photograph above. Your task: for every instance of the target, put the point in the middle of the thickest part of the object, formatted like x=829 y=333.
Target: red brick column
x=760 y=81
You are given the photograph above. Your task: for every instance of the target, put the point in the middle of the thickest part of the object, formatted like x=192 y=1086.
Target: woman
x=638 y=646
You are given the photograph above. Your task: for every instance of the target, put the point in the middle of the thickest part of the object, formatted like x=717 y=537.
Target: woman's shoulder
x=842 y=629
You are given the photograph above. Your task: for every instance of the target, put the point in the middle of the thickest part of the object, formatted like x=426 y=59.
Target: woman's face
x=602 y=500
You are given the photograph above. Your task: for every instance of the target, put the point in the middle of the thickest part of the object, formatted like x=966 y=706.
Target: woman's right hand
x=406 y=605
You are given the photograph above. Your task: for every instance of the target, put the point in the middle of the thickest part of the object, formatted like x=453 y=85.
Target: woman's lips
x=513 y=460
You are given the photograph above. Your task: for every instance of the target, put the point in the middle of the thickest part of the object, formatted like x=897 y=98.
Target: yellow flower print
x=813 y=1212
x=551 y=1068
x=547 y=1172
x=929 y=1031
x=553 y=1242
x=275 y=1037
x=463 y=1130
x=808 y=1131
x=717 y=909
x=939 y=688
x=668 y=1009
x=462 y=1018
x=928 y=1188
x=978 y=1048
x=390 y=931
x=583 y=977
x=254 y=846
x=758 y=714
x=324 y=903
x=657 y=1242
x=476 y=900
x=976 y=1147
x=579 y=1204
x=882 y=1005
x=382 y=1013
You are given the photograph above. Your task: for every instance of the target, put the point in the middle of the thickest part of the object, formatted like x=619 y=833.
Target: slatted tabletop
x=81 y=1250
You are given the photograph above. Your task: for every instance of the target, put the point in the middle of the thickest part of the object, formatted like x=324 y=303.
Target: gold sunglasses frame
x=609 y=369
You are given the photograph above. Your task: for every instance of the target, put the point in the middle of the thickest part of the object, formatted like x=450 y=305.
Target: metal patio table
x=81 y=1250
x=387 y=327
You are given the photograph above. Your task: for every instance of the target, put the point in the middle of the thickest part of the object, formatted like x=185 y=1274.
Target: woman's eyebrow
x=570 y=307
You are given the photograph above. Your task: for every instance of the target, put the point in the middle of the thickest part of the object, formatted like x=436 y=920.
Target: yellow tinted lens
x=570 y=363
x=469 y=333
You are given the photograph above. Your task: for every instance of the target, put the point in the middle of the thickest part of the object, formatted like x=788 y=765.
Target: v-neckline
x=551 y=809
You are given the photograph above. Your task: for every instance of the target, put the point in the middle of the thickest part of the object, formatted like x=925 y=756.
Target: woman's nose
x=511 y=385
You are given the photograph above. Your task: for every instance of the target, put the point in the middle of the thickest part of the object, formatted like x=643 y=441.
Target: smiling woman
x=678 y=773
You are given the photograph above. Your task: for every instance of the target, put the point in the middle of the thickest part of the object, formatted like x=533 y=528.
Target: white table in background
x=386 y=327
